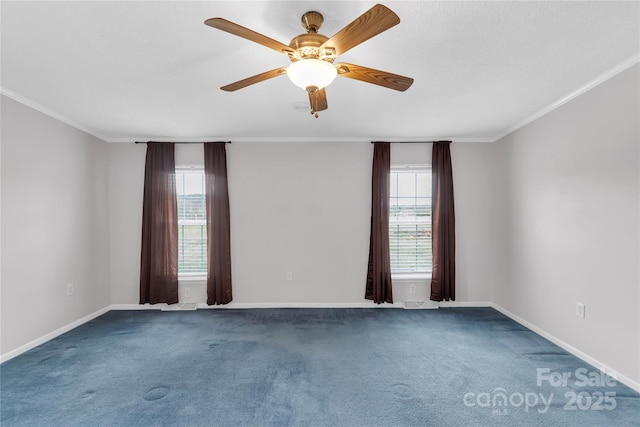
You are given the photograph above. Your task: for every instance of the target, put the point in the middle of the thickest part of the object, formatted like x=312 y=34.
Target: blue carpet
x=308 y=367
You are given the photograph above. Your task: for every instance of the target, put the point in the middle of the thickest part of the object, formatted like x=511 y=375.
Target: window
x=410 y=220
x=192 y=222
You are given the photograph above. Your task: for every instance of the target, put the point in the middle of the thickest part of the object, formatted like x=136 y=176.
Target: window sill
x=192 y=279
x=411 y=276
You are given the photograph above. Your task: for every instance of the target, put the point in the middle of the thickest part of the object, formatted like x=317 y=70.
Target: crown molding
x=628 y=63
x=299 y=139
x=624 y=65
x=46 y=111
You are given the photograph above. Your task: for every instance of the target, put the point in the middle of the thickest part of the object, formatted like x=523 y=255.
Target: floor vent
x=412 y=305
x=182 y=306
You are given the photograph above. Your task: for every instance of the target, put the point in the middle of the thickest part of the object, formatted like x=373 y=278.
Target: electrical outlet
x=412 y=289
x=69 y=289
x=580 y=310
x=187 y=292
x=289 y=275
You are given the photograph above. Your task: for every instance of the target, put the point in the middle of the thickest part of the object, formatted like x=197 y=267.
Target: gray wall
x=304 y=208
x=566 y=225
x=55 y=225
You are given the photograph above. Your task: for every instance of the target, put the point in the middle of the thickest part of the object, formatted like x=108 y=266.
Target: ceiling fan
x=312 y=54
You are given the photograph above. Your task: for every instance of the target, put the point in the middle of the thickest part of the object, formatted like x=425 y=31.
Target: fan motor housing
x=308 y=46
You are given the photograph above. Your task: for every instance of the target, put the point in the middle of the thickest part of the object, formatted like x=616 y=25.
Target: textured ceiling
x=152 y=70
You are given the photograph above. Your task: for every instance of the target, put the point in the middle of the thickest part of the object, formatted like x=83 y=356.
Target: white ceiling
x=127 y=71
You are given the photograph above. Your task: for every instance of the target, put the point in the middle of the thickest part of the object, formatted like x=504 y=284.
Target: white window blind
x=192 y=222
x=410 y=220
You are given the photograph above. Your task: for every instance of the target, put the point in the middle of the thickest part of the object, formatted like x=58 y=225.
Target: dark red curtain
x=378 y=286
x=159 y=254
x=218 y=224
x=443 y=221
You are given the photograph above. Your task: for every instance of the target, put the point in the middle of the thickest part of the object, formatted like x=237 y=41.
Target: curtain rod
x=409 y=142
x=184 y=142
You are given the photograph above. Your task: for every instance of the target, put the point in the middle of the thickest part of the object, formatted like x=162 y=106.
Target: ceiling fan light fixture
x=311 y=72
x=312 y=54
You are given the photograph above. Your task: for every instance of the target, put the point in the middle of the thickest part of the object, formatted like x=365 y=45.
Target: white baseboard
x=249 y=305
x=364 y=304
x=138 y=306
x=51 y=335
x=579 y=354
x=445 y=304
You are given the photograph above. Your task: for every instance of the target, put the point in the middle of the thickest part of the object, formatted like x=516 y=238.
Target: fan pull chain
x=313 y=100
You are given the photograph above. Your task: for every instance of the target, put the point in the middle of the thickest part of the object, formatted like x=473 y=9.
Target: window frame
x=409 y=169
x=192 y=275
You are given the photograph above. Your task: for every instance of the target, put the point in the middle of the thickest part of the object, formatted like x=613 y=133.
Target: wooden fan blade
x=255 y=79
x=371 y=23
x=376 y=77
x=240 y=31
x=318 y=100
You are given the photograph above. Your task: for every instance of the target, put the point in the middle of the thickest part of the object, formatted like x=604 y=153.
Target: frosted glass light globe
x=311 y=72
